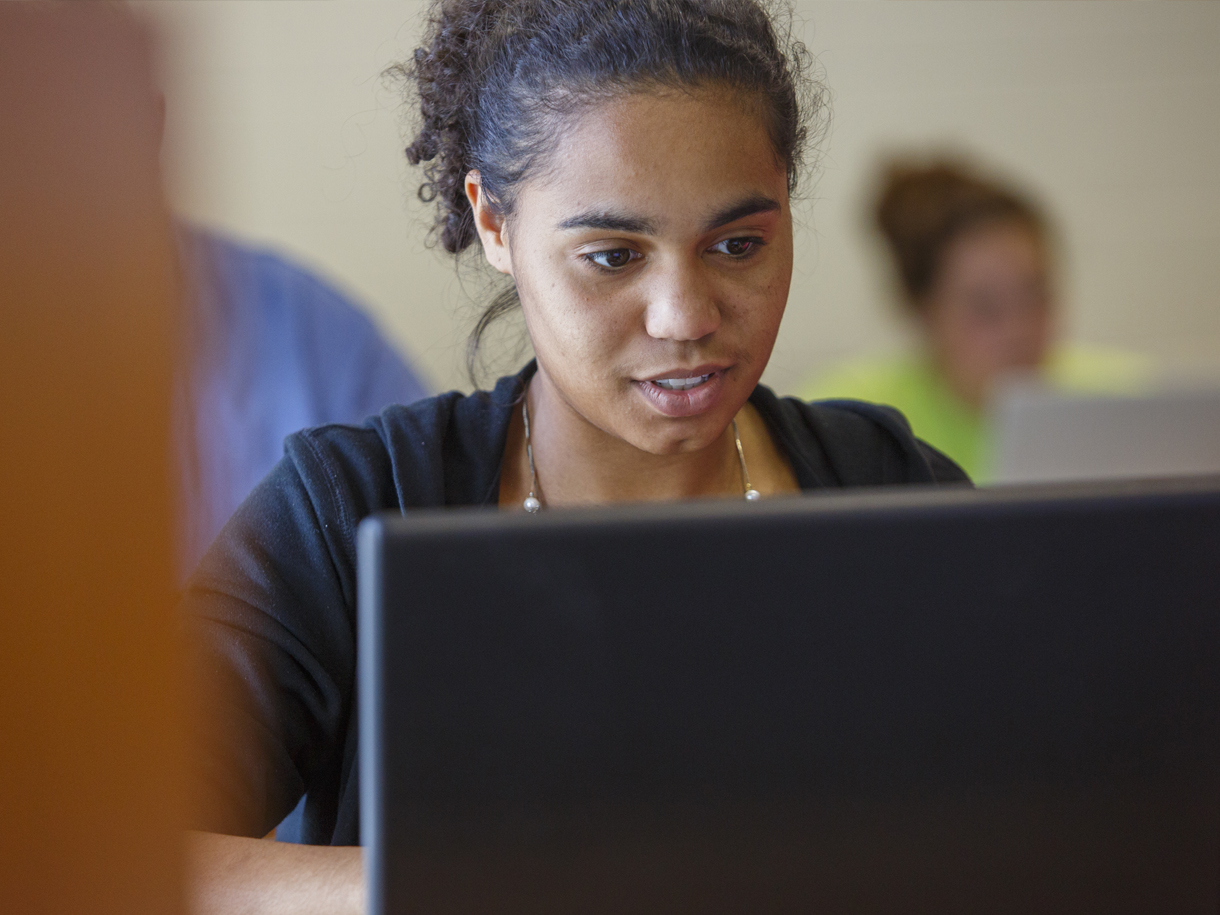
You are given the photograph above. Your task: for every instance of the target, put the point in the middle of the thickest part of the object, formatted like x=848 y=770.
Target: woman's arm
x=269 y=631
x=231 y=875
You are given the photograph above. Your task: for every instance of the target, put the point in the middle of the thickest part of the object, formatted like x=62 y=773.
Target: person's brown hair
x=923 y=208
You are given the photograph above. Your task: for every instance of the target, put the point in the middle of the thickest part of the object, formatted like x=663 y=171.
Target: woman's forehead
x=660 y=158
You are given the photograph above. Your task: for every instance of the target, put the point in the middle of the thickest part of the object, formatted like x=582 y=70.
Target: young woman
x=629 y=164
x=976 y=267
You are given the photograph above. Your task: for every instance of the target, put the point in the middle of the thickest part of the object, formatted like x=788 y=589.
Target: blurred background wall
x=281 y=130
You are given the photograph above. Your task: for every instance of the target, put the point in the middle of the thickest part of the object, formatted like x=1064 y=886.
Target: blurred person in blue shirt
x=273 y=349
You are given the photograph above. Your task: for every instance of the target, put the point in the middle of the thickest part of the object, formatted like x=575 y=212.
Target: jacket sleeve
x=269 y=622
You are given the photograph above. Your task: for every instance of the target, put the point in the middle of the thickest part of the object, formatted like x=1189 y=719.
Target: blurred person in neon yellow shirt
x=976 y=268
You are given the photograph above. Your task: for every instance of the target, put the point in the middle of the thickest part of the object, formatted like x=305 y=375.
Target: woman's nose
x=682 y=308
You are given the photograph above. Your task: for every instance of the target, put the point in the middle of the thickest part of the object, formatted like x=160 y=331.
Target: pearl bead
x=753 y=495
x=531 y=504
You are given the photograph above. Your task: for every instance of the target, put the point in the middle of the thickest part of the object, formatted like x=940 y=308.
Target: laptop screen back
x=944 y=702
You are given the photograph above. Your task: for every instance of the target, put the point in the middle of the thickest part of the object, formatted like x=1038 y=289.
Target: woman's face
x=653 y=255
x=991 y=310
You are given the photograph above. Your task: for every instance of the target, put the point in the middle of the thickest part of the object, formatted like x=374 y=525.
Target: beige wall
x=280 y=130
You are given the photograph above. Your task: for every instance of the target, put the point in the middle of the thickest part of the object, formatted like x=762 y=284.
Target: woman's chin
x=682 y=436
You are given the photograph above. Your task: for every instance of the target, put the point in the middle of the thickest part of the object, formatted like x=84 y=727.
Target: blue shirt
x=273 y=350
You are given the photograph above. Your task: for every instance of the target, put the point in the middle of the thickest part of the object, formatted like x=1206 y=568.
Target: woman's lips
x=690 y=402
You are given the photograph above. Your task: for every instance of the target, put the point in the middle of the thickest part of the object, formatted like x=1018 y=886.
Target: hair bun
x=922 y=208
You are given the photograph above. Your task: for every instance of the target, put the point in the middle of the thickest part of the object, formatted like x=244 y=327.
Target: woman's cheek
x=597 y=318
x=555 y=329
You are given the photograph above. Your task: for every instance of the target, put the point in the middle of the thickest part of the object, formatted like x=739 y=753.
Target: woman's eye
x=614 y=259
x=738 y=247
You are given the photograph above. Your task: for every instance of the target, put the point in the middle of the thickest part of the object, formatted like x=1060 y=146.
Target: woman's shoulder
x=441 y=450
x=845 y=442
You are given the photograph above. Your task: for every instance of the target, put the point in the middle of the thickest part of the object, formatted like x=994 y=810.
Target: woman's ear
x=489 y=223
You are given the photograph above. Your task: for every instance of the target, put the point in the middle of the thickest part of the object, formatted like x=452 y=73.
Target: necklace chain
x=751 y=494
x=532 y=503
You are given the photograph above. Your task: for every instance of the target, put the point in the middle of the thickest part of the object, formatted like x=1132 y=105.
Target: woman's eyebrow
x=607 y=221
x=748 y=207
x=618 y=222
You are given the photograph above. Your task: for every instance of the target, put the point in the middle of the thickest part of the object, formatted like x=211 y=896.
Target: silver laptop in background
x=1047 y=436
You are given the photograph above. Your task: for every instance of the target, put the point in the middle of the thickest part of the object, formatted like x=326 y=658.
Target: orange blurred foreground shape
x=90 y=752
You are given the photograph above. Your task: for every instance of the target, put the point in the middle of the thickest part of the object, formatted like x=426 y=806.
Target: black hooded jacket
x=271 y=612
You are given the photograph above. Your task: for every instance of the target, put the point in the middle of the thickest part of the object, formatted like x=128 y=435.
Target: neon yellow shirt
x=942 y=420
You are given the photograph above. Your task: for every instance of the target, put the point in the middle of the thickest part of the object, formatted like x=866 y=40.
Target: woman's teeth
x=681 y=384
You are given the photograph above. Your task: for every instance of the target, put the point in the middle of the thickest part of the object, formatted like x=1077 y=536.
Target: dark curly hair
x=497 y=78
x=923 y=208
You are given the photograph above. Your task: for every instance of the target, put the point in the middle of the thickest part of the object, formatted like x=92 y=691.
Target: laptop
x=1044 y=436
x=903 y=701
